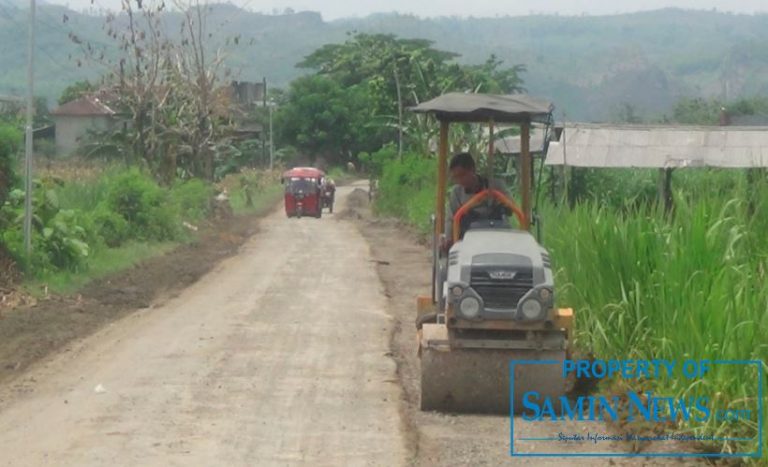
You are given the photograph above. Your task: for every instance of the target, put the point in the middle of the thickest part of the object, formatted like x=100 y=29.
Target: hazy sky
x=333 y=9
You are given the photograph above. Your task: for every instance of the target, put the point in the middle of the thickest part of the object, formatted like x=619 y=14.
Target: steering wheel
x=477 y=199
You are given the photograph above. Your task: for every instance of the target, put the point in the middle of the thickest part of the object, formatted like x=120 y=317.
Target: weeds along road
x=284 y=354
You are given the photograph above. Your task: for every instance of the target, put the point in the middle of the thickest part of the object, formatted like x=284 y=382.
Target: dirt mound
x=358 y=198
x=348 y=214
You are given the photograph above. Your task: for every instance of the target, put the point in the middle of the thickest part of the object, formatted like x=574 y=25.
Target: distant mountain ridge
x=589 y=66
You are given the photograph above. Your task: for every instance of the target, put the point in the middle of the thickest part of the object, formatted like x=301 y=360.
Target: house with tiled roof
x=75 y=119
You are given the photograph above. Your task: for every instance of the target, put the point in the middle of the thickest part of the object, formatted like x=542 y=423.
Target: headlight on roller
x=531 y=309
x=470 y=307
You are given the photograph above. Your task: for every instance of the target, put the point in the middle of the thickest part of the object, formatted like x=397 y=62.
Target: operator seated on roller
x=468 y=184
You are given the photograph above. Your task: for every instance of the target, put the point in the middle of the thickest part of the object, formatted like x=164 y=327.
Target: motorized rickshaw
x=302 y=191
x=328 y=194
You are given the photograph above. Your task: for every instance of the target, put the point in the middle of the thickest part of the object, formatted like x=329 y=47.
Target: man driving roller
x=468 y=184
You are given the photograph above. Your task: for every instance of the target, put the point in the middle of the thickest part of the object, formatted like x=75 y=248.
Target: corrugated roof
x=511 y=108
x=585 y=145
x=83 y=107
x=511 y=144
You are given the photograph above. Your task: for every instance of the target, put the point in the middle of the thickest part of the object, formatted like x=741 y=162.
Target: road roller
x=492 y=315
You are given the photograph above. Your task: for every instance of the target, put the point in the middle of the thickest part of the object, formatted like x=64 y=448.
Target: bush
x=252 y=182
x=110 y=226
x=144 y=205
x=132 y=195
x=59 y=242
x=162 y=223
x=10 y=140
x=63 y=241
x=192 y=198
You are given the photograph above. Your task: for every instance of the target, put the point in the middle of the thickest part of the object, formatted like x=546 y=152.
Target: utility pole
x=263 y=133
x=271 y=141
x=29 y=133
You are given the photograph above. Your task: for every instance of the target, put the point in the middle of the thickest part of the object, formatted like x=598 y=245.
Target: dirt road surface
x=298 y=350
x=277 y=357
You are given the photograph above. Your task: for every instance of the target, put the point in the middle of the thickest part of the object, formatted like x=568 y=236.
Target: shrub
x=110 y=226
x=59 y=240
x=144 y=206
x=402 y=181
x=10 y=140
x=62 y=240
x=192 y=198
x=132 y=195
x=251 y=183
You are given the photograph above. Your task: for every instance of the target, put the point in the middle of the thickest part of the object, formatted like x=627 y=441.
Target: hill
x=589 y=66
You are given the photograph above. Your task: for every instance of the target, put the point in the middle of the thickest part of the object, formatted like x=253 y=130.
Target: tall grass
x=689 y=286
x=406 y=190
x=649 y=285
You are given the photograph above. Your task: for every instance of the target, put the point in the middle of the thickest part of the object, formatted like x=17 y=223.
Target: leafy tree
x=627 y=113
x=700 y=111
x=169 y=85
x=75 y=91
x=697 y=111
x=403 y=72
x=325 y=118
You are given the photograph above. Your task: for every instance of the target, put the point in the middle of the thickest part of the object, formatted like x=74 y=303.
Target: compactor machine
x=493 y=306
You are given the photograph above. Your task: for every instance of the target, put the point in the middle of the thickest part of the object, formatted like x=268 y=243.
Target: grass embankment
x=646 y=285
x=106 y=221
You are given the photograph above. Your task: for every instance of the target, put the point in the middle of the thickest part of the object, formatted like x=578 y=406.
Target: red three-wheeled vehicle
x=303 y=192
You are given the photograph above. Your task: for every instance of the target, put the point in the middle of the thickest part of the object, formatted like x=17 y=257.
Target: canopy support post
x=442 y=176
x=525 y=170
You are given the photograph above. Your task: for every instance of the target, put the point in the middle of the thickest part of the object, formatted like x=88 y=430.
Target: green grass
x=263 y=200
x=102 y=263
x=693 y=287
x=82 y=195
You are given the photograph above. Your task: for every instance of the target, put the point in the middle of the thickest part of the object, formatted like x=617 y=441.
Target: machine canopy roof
x=512 y=108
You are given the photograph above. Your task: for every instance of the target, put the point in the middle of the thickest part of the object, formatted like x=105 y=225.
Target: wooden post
x=752 y=176
x=665 y=188
x=525 y=170
x=489 y=170
x=442 y=176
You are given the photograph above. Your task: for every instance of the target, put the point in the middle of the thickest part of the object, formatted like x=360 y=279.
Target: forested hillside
x=590 y=66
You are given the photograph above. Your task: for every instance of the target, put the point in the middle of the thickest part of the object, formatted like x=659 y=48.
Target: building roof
x=647 y=146
x=83 y=107
x=511 y=144
x=511 y=108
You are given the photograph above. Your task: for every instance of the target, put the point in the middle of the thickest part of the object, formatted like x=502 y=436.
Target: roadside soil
x=31 y=329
